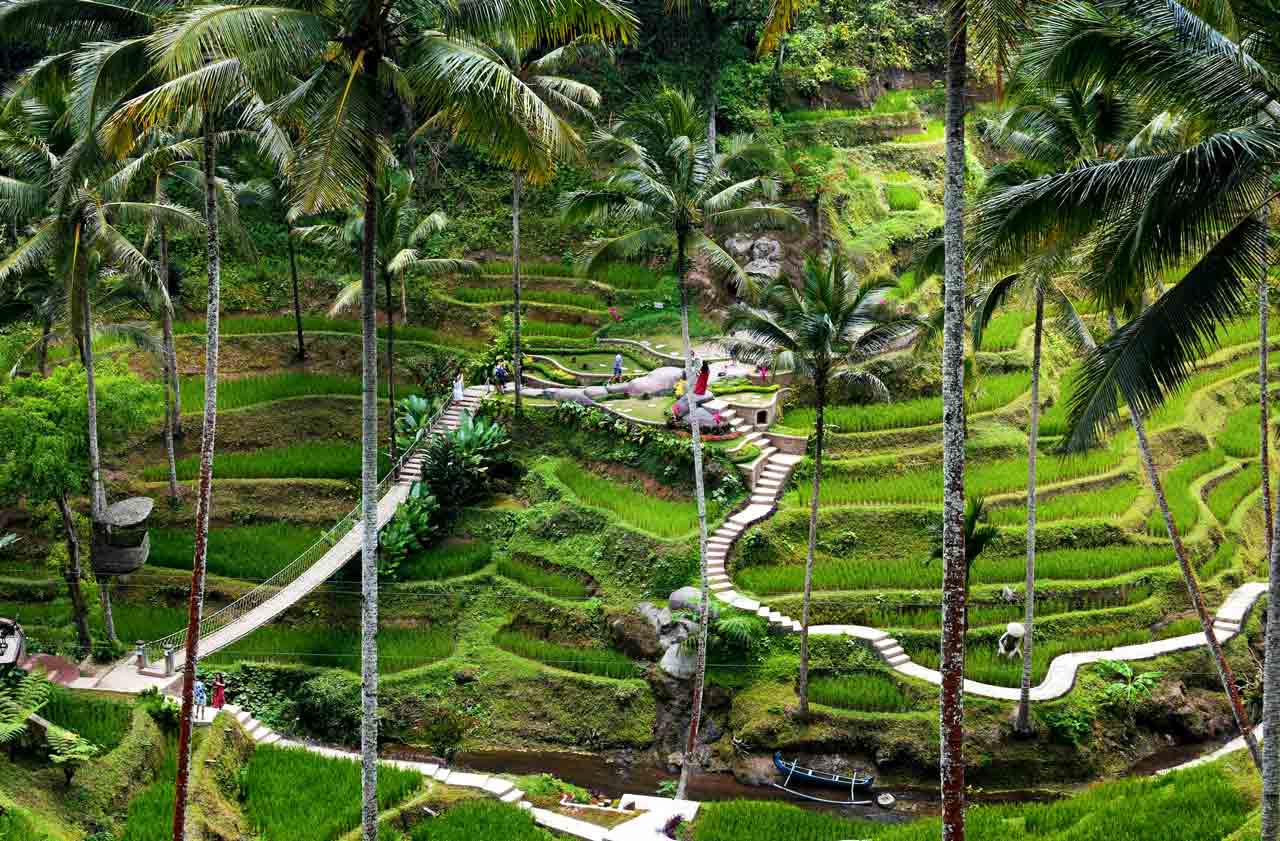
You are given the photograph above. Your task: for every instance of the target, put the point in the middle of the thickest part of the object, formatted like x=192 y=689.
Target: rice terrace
x=621 y=421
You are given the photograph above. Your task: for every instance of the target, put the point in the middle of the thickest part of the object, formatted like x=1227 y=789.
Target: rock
x=676 y=632
x=679 y=664
x=1190 y=716
x=766 y=258
x=689 y=598
x=465 y=675
x=710 y=732
x=675 y=760
x=637 y=631
x=755 y=771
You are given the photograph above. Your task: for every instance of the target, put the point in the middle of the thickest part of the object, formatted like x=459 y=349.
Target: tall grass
x=921 y=573
x=889 y=102
x=987 y=615
x=1240 y=434
x=1223 y=559
x=1087 y=503
x=923 y=486
x=254 y=552
x=617 y=275
x=1003 y=331
x=447 y=560
x=150 y=815
x=662 y=517
x=1183 y=505
x=868 y=691
x=996 y=391
x=550 y=582
x=295 y=795
x=481 y=820
x=500 y=295
x=588 y=661
x=902 y=197
x=1227 y=495
x=316 y=460
x=103 y=721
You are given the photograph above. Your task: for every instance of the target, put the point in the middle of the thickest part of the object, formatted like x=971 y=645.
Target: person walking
x=500 y=376
x=219 y=692
x=459 y=388
x=617 y=368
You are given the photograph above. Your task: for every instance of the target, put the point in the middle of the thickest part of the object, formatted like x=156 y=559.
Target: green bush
x=416 y=525
x=463 y=463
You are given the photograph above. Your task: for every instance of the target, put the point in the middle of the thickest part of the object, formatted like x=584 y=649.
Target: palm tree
x=825 y=332
x=1191 y=212
x=665 y=183
x=329 y=71
x=541 y=79
x=1051 y=130
x=402 y=228
x=273 y=195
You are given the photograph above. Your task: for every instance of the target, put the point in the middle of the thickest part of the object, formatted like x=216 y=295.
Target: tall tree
x=539 y=72
x=664 y=185
x=272 y=194
x=824 y=332
x=402 y=228
x=1190 y=212
x=330 y=71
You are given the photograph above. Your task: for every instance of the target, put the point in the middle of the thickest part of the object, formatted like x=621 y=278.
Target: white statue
x=1010 y=642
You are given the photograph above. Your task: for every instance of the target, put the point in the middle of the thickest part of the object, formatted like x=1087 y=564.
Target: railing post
x=169 y=658
x=141 y=653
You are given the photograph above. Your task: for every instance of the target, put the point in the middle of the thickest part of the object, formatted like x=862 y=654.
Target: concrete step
x=890 y=653
x=768 y=452
x=716 y=578
x=763 y=611
x=899 y=660
x=775 y=616
x=721 y=586
x=775 y=474
x=512 y=796
x=887 y=642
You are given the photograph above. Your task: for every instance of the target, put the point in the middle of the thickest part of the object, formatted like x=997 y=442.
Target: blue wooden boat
x=797 y=773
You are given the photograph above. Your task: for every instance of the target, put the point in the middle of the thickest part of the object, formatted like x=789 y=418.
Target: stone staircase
x=773 y=468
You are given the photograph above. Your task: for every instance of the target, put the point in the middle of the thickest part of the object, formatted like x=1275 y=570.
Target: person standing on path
x=617 y=368
x=219 y=692
x=201 y=698
x=500 y=375
x=459 y=389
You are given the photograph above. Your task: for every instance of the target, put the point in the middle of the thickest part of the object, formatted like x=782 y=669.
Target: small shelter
x=121 y=541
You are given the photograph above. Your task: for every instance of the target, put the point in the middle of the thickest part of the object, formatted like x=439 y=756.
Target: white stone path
x=653 y=812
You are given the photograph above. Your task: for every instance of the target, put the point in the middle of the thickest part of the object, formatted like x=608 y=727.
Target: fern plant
x=69 y=750
x=19 y=701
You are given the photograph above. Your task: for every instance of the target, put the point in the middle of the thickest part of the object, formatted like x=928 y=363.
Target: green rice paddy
x=645 y=511
x=314 y=460
x=602 y=662
x=253 y=553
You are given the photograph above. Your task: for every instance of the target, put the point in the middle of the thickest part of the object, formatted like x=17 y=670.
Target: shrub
x=589 y=661
x=416 y=524
x=463 y=462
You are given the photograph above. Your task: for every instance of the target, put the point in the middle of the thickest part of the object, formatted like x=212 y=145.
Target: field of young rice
x=902 y=197
x=295 y=795
x=921 y=573
x=1088 y=503
x=150 y=815
x=314 y=460
x=1227 y=495
x=547 y=581
x=1183 y=505
x=481 y=820
x=1208 y=803
x=1003 y=331
x=1240 y=436
x=867 y=691
x=604 y=662
x=399 y=648
x=982 y=663
x=556 y=329
x=253 y=553
x=987 y=615
x=247 y=325
x=103 y=721
x=249 y=391
x=661 y=517
x=997 y=390
x=447 y=560
x=502 y=295
x=923 y=486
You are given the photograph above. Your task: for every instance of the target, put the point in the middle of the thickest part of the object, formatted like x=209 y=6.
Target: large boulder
x=759 y=255
x=678 y=663
x=689 y=598
x=637 y=631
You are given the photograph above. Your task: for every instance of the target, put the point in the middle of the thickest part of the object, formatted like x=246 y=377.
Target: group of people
x=502 y=374
x=202 y=695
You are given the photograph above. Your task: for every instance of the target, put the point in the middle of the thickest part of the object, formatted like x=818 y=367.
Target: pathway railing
x=221 y=618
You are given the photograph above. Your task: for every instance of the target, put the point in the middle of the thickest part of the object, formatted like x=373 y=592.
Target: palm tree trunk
x=297 y=301
x=820 y=389
x=1023 y=724
x=176 y=415
x=951 y=720
x=517 y=186
x=167 y=364
x=42 y=357
x=79 y=611
x=104 y=599
x=1271 y=660
x=1225 y=673
x=97 y=496
x=204 y=496
x=700 y=672
x=391 y=366
x=1264 y=406
x=369 y=519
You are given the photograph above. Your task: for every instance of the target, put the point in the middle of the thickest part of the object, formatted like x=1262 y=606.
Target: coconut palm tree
x=824 y=332
x=540 y=72
x=1190 y=213
x=664 y=183
x=272 y=194
x=402 y=228
x=329 y=72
